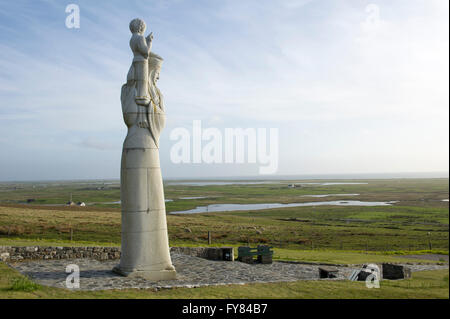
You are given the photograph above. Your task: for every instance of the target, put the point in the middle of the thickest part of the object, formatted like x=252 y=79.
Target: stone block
x=246 y=259
x=363 y=274
x=4 y=256
x=391 y=271
x=227 y=253
x=265 y=259
x=328 y=272
x=214 y=254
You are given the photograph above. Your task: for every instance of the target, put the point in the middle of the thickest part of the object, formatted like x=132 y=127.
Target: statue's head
x=154 y=66
x=137 y=26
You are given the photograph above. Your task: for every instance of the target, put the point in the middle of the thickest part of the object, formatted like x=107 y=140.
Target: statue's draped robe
x=145 y=244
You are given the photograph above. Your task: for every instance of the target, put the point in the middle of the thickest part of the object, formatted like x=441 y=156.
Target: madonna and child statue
x=145 y=244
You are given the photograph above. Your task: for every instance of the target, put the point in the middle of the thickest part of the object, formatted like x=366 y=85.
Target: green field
x=418 y=221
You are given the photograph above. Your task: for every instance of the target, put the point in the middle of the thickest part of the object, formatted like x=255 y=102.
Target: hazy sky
x=353 y=86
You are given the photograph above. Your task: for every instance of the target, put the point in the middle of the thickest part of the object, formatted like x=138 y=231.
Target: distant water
x=333 y=183
x=328 y=195
x=445 y=200
x=193 y=197
x=207 y=183
x=237 y=207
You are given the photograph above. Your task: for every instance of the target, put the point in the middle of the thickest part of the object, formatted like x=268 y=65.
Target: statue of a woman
x=145 y=244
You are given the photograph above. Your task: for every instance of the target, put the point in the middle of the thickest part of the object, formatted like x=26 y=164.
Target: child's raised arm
x=144 y=46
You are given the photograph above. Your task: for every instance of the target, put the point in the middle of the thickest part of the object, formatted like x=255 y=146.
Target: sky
x=352 y=86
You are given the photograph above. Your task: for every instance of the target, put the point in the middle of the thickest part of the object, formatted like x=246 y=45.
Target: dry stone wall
x=16 y=253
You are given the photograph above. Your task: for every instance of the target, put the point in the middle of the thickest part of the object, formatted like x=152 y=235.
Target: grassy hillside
x=326 y=234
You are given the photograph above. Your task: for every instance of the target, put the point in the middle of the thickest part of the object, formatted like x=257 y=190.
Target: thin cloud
x=97 y=144
x=315 y=69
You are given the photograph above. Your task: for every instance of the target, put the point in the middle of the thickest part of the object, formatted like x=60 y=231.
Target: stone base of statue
x=152 y=275
x=145 y=245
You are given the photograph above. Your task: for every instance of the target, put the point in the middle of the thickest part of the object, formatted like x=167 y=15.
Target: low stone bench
x=262 y=252
x=328 y=272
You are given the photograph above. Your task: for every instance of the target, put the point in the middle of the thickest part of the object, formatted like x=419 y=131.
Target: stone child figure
x=141 y=49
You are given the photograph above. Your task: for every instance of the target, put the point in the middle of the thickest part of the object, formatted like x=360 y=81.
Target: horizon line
x=342 y=176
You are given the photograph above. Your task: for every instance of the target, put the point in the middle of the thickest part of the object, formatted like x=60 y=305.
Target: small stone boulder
x=328 y=272
x=4 y=256
x=366 y=271
x=265 y=259
x=214 y=253
x=391 y=271
x=246 y=259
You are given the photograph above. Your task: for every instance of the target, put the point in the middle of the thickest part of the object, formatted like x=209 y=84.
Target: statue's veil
x=156 y=116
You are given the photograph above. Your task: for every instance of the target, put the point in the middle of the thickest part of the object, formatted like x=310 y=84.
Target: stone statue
x=145 y=244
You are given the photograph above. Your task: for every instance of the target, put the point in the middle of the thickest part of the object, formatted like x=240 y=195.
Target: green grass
x=325 y=234
x=420 y=218
x=23 y=284
x=414 y=192
x=341 y=257
x=395 y=228
x=425 y=284
x=17 y=241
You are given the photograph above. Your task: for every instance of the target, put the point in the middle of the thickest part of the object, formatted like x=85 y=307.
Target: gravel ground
x=191 y=272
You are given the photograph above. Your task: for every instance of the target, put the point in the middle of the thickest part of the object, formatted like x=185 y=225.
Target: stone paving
x=191 y=272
